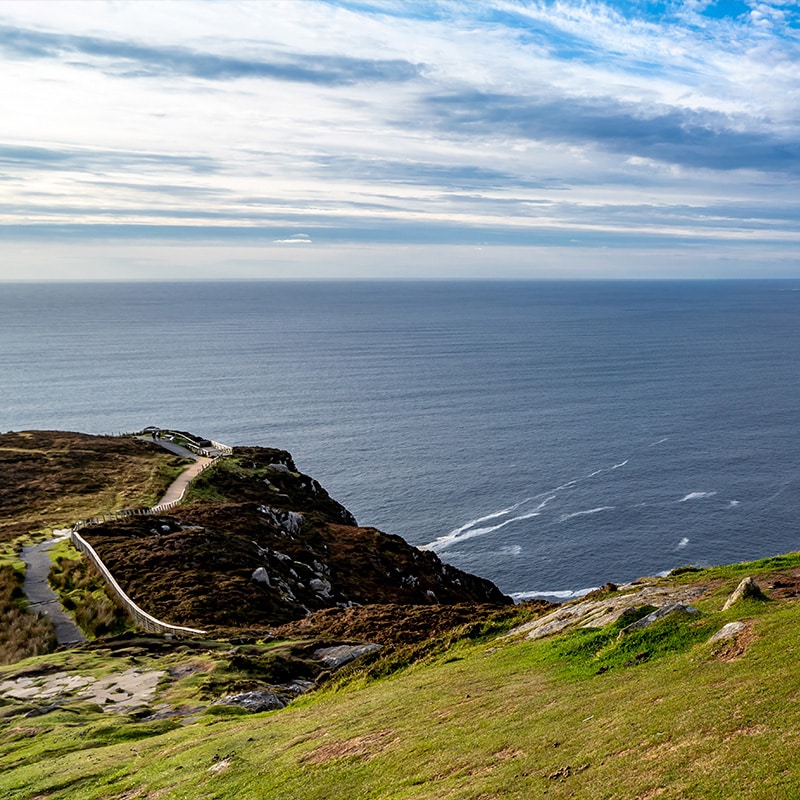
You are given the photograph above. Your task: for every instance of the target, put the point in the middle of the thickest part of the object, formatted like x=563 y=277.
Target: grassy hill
x=254 y=511
x=53 y=478
x=50 y=479
x=461 y=701
x=474 y=714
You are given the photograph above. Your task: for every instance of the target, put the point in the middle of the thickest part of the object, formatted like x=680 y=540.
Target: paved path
x=41 y=597
x=178 y=486
x=171 y=446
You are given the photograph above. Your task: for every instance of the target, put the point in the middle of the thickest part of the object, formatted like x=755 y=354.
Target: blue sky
x=506 y=139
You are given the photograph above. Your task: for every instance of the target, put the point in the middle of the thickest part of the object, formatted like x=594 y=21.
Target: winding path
x=43 y=599
x=178 y=486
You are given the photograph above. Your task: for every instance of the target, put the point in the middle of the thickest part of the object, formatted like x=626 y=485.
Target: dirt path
x=41 y=597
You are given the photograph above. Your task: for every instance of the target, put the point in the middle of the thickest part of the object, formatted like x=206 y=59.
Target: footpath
x=178 y=486
x=43 y=599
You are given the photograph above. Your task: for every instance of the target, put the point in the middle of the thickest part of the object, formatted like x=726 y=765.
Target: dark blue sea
x=550 y=436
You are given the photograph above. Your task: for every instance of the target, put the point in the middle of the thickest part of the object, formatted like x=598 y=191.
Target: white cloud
x=298 y=238
x=384 y=125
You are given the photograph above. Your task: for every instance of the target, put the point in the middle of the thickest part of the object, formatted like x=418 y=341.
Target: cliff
x=258 y=544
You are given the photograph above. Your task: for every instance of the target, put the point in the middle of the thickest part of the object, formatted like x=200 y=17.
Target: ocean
x=549 y=436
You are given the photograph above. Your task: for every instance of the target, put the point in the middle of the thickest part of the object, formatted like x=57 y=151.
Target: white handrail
x=141 y=618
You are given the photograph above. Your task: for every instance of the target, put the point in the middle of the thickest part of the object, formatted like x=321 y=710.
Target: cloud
x=297 y=238
x=703 y=139
x=90 y=159
x=131 y=60
x=385 y=123
x=415 y=172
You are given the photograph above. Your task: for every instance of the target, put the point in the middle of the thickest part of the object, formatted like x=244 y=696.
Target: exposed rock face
x=596 y=613
x=659 y=613
x=276 y=548
x=748 y=589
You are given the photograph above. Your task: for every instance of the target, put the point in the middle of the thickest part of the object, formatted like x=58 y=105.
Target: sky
x=508 y=139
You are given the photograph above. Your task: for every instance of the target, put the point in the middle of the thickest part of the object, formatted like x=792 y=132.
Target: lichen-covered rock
x=729 y=631
x=748 y=589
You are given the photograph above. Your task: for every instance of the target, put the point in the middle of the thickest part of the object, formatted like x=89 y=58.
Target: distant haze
x=389 y=139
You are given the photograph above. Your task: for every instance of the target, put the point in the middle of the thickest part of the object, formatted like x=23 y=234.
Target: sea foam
x=519 y=597
x=565 y=517
x=696 y=496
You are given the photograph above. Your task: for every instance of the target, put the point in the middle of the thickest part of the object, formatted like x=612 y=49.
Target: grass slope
x=485 y=717
x=51 y=479
x=54 y=478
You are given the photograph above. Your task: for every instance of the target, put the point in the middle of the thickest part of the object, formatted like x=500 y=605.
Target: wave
x=473 y=528
x=493 y=515
x=467 y=532
x=660 y=441
x=565 y=517
x=567 y=594
x=606 y=469
x=733 y=503
x=682 y=543
x=696 y=496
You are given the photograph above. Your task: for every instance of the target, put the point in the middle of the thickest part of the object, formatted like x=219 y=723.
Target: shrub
x=22 y=633
x=97 y=611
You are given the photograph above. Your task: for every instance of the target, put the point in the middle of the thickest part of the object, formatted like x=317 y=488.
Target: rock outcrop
x=729 y=631
x=655 y=616
x=271 y=547
x=628 y=601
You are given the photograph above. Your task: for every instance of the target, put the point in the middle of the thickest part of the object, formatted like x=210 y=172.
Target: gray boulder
x=748 y=589
x=261 y=575
x=255 y=701
x=729 y=631
x=337 y=656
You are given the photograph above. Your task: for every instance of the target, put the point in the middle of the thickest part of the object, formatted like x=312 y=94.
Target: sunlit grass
x=480 y=718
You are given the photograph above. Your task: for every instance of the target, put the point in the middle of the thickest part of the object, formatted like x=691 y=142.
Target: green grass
x=478 y=717
x=759 y=568
x=201 y=490
x=85 y=594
